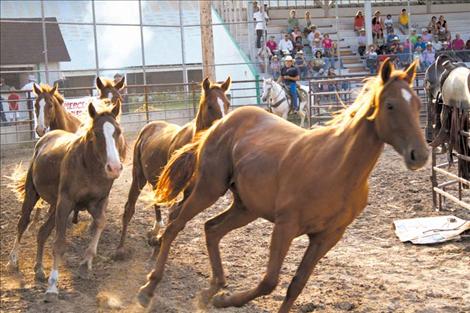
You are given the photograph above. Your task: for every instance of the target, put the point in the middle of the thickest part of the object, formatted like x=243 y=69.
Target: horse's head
x=107 y=140
x=267 y=86
x=110 y=90
x=214 y=103
x=47 y=101
x=397 y=109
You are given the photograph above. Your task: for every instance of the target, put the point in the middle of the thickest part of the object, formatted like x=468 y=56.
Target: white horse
x=278 y=101
x=455 y=90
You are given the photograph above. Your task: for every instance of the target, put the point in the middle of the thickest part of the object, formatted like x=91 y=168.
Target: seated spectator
x=272 y=45
x=417 y=53
x=389 y=24
x=359 y=21
x=377 y=26
x=391 y=36
x=307 y=20
x=284 y=54
x=426 y=36
x=264 y=54
x=407 y=45
x=296 y=33
x=428 y=56
x=298 y=44
x=458 y=43
x=402 y=57
x=286 y=44
x=317 y=46
x=361 y=42
x=465 y=55
x=317 y=65
x=314 y=33
x=275 y=67
x=327 y=44
x=292 y=22
x=441 y=29
x=445 y=46
x=420 y=43
x=432 y=26
x=413 y=37
x=393 y=46
x=371 y=59
x=437 y=45
x=403 y=21
x=300 y=64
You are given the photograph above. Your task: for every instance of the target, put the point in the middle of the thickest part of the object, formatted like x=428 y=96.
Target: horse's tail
x=177 y=174
x=18 y=182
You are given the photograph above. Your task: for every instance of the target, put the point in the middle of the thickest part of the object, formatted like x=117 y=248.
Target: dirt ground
x=369 y=270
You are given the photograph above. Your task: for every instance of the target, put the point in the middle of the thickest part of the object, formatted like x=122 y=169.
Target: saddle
x=300 y=93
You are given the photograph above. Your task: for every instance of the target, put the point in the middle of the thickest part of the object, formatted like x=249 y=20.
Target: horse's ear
x=386 y=70
x=411 y=71
x=99 y=83
x=54 y=89
x=37 y=89
x=206 y=84
x=120 y=84
x=92 y=110
x=116 y=109
x=226 y=85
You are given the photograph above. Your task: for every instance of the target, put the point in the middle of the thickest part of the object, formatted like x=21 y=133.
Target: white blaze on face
x=406 y=95
x=111 y=151
x=220 y=102
x=41 y=121
x=110 y=95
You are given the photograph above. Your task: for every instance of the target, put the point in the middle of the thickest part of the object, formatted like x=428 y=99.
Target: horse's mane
x=366 y=101
x=48 y=89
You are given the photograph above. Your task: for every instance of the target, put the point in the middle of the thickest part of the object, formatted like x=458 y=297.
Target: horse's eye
x=389 y=106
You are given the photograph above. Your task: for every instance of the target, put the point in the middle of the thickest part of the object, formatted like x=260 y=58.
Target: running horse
x=71 y=171
x=312 y=182
x=155 y=144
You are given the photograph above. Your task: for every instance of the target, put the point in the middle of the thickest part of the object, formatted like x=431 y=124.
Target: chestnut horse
x=312 y=182
x=49 y=110
x=71 y=171
x=158 y=140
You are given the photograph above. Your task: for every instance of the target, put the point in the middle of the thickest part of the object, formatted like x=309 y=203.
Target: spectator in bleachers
x=403 y=21
x=272 y=45
x=467 y=45
x=300 y=64
x=292 y=21
x=296 y=33
x=377 y=26
x=361 y=42
x=465 y=55
x=314 y=33
x=307 y=20
x=389 y=24
x=390 y=37
x=458 y=43
x=437 y=45
x=402 y=57
x=317 y=65
x=420 y=43
x=286 y=44
x=427 y=37
x=417 y=55
x=393 y=46
x=428 y=56
x=275 y=67
x=298 y=44
x=442 y=30
x=263 y=54
x=316 y=46
x=260 y=18
x=407 y=45
x=413 y=37
x=327 y=44
x=445 y=46
x=432 y=26
x=371 y=59
x=359 y=21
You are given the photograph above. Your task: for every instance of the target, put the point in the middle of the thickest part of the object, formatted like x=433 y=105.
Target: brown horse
x=312 y=182
x=158 y=140
x=71 y=171
x=110 y=90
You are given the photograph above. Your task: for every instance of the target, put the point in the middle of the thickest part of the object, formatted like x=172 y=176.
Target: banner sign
x=78 y=105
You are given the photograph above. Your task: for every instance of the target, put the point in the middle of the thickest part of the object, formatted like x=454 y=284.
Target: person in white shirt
x=286 y=44
x=29 y=96
x=260 y=18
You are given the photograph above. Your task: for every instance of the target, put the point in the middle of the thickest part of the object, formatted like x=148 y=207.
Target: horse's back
x=455 y=89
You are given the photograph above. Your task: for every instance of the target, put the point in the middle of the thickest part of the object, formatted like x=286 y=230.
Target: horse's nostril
x=108 y=168
x=412 y=155
x=120 y=168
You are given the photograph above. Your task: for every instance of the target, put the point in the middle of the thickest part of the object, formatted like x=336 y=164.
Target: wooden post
x=207 y=40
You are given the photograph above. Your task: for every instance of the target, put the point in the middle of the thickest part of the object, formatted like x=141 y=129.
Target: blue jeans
x=293 y=92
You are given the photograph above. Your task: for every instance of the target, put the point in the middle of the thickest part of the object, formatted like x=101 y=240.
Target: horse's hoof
x=83 y=271
x=12 y=267
x=154 y=241
x=39 y=275
x=220 y=300
x=51 y=297
x=143 y=298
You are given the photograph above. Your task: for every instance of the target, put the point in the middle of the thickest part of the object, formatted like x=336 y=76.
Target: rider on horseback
x=289 y=76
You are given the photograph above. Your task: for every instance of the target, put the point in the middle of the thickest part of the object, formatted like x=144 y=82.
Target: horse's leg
x=302 y=114
x=30 y=199
x=157 y=225
x=204 y=195
x=318 y=246
x=63 y=209
x=99 y=219
x=216 y=228
x=283 y=234
x=138 y=182
x=44 y=232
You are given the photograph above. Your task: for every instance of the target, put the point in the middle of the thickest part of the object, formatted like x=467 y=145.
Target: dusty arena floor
x=368 y=271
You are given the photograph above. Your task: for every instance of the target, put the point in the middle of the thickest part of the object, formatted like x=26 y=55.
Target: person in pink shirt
x=458 y=43
x=327 y=44
x=272 y=45
x=296 y=33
